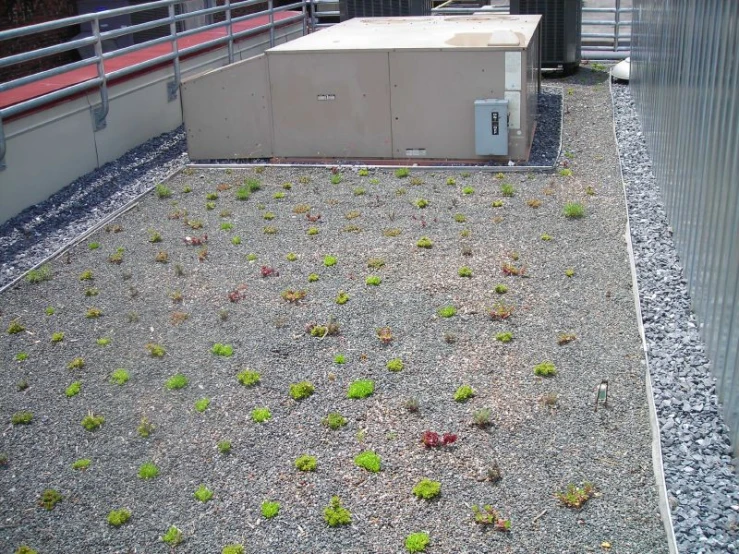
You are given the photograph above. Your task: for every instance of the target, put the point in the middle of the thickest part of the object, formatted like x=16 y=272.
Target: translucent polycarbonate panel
x=684 y=77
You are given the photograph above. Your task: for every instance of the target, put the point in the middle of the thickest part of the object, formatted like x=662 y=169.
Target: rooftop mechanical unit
x=418 y=88
x=383 y=8
x=561 y=30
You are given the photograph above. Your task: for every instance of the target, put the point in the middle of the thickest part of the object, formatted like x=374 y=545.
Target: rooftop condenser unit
x=383 y=8
x=425 y=90
x=561 y=30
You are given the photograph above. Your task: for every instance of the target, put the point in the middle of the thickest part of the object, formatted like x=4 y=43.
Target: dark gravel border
x=39 y=231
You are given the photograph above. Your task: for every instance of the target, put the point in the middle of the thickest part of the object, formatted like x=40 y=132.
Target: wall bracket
x=172 y=89
x=99 y=115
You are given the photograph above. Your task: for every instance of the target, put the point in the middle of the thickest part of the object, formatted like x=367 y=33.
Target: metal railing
x=98 y=38
x=684 y=76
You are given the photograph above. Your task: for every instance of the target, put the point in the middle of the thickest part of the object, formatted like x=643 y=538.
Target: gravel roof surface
x=539 y=449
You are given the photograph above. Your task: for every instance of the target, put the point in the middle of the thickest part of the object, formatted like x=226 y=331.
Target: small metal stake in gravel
x=602 y=394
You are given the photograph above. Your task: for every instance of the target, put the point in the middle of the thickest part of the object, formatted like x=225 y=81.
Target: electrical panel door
x=491 y=127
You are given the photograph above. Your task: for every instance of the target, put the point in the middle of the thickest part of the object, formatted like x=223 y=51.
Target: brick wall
x=19 y=13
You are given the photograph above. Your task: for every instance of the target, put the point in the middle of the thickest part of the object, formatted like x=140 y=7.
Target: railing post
x=312 y=16
x=174 y=86
x=617 y=27
x=99 y=114
x=271 y=7
x=229 y=30
x=302 y=9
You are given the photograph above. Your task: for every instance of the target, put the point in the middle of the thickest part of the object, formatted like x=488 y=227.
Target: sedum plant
x=417 y=542
x=334 y=421
x=306 y=462
x=270 y=509
x=248 y=378
x=116 y=518
x=427 y=489
x=361 y=389
x=173 y=536
x=335 y=514
x=260 y=415
x=203 y=494
x=301 y=390
x=368 y=460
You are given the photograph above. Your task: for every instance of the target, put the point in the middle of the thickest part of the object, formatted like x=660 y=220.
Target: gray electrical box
x=491 y=127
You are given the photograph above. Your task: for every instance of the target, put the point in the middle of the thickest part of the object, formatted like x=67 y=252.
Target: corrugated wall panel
x=685 y=79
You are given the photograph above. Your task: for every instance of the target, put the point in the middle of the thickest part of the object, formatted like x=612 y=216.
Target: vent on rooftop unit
x=383 y=8
x=561 y=30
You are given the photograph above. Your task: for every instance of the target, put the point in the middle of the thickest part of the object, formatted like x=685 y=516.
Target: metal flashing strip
x=486 y=168
x=657 y=464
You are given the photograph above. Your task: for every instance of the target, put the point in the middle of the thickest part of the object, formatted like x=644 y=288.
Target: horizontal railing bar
x=137 y=47
x=164 y=58
x=54 y=71
x=246 y=4
x=86 y=18
x=607 y=23
x=249 y=16
x=204 y=46
x=185 y=51
x=77 y=19
x=115 y=33
x=50 y=97
x=605 y=35
x=261 y=28
x=605 y=54
x=287 y=8
x=46 y=51
x=463 y=11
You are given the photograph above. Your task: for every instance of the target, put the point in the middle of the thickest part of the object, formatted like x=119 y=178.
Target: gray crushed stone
x=539 y=449
x=698 y=467
x=700 y=473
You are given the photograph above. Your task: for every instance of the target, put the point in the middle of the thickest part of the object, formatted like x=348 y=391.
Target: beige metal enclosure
x=434 y=88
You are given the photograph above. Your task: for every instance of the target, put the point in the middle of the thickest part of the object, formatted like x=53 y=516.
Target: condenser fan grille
x=561 y=29
x=383 y=8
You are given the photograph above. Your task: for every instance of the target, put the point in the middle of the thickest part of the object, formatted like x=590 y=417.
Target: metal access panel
x=330 y=104
x=227 y=111
x=437 y=121
x=491 y=127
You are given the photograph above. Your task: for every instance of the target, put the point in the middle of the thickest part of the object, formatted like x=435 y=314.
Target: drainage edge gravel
x=705 y=501
x=657 y=460
x=29 y=239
